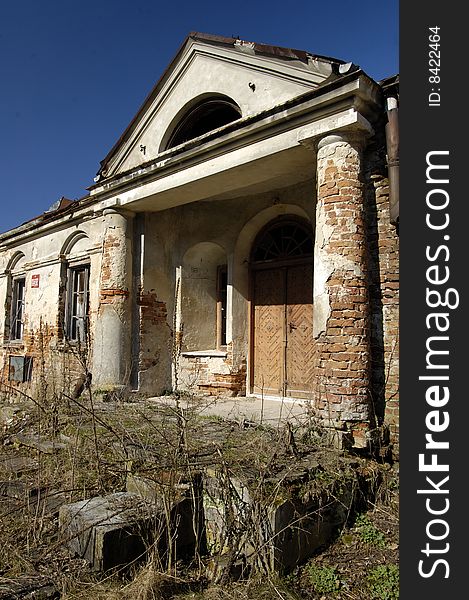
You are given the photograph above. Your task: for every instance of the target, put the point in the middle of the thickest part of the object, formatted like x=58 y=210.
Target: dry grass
x=103 y=443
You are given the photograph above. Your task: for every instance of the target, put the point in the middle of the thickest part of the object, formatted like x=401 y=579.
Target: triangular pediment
x=254 y=77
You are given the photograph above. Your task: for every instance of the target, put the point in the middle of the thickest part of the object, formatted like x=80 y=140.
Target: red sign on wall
x=35 y=281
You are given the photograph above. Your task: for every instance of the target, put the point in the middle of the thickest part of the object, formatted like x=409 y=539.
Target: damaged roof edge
x=389 y=82
x=263 y=49
x=260 y=48
x=48 y=216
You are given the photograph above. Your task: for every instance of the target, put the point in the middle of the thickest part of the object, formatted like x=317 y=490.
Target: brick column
x=341 y=307
x=112 y=338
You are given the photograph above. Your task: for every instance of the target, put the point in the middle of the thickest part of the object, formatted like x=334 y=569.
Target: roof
x=277 y=52
x=60 y=206
x=390 y=85
x=259 y=48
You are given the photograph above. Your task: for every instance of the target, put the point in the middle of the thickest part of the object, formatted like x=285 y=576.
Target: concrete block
x=185 y=513
x=40 y=444
x=275 y=532
x=14 y=489
x=109 y=531
x=222 y=501
x=298 y=529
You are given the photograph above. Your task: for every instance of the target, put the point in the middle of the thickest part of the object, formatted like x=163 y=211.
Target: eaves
x=353 y=90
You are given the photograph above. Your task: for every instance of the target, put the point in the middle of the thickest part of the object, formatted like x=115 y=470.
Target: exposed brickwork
x=112 y=343
x=112 y=244
x=112 y=281
x=214 y=375
x=108 y=295
x=153 y=322
x=56 y=365
x=112 y=275
x=152 y=309
x=233 y=384
x=384 y=298
x=342 y=364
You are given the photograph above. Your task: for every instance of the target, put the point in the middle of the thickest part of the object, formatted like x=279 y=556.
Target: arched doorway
x=282 y=309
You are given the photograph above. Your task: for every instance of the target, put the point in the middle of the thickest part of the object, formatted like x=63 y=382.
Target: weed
x=383 y=582
x=323 y=579
x=173 y=450
x=368 y=533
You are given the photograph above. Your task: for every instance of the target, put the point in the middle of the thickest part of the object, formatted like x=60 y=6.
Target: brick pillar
x=341 y=307
x=112 y=338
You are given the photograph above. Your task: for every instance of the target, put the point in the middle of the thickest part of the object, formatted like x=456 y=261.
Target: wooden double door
x=282 y=330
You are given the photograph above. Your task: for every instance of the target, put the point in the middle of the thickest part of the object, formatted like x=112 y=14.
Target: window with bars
x=17 y=309
x=76 y=309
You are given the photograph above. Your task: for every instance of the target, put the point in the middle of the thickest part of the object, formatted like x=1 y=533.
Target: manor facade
x=239 y=238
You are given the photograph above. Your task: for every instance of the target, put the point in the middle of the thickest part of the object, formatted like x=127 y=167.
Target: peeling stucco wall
x=137 y=326
x=225 y=229
x=43 y=269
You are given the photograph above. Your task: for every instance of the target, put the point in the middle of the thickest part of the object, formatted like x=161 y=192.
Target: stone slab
x=111 y=531
x=283 y=530
x=183 y=518
x=250 y=409
x=43 y=445
x=16 y=465
x=37 y=500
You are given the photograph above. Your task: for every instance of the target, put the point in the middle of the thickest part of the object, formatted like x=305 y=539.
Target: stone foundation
x=211 y=372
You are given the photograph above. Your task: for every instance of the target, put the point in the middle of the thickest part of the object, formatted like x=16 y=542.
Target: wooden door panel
x=269 y=331
x=299 y=329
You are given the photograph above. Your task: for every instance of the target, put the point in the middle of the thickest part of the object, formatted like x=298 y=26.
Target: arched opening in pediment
x=200 y=117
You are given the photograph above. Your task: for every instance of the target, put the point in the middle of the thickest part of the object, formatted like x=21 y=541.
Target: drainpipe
x=392 y=148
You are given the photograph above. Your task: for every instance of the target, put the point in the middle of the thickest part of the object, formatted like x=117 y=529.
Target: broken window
x=76 y=311
x=17 y=309
x=20 y=368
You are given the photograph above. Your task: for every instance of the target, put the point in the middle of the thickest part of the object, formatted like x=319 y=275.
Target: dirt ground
x=67 y=450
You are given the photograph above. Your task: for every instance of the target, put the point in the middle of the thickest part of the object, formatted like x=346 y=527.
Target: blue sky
x=73 y=73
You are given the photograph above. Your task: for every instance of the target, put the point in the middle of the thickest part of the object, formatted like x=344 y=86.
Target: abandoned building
x=239 y=238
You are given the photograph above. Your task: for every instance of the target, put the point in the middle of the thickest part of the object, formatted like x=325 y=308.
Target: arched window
x=15 y=298
x=207 y=115
x=283 y=240
x=74 y=288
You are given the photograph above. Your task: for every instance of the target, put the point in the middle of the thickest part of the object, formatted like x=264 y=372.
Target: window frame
x=187 y=126
x=25 y=371
x=16 y=316
x=75 y=288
